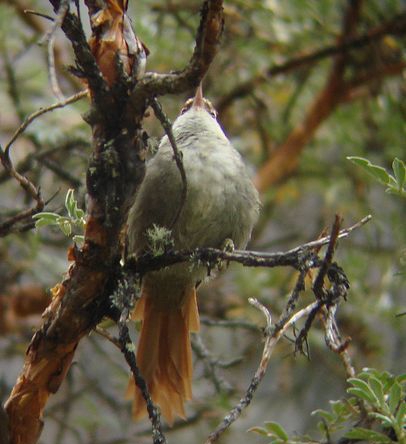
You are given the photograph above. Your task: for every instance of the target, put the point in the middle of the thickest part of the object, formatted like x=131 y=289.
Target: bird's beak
x=198 y=99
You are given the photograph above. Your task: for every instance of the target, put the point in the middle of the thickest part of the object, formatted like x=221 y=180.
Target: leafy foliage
x=74 y=221
x=395 y=184
x=378 y=400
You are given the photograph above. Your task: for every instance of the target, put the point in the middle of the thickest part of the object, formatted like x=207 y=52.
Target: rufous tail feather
x=164 y=354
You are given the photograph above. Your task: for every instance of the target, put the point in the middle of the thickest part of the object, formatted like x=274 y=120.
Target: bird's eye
x=213 y=113
x=186 y=107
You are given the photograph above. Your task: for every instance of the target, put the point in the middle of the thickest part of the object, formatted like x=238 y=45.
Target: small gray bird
x=221 y=203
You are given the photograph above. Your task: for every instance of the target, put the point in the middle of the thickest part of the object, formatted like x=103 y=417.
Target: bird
x=221 y=205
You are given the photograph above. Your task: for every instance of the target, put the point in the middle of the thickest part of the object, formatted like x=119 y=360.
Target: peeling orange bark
x=113 y=37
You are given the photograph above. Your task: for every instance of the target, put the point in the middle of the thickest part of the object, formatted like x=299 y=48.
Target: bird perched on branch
x=220 y=204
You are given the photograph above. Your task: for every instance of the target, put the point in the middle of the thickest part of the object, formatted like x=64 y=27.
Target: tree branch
x=115 y=172
x=285 y=158
x=300 y=258
x=396 y=26
x=272 y=335
x=206 y=46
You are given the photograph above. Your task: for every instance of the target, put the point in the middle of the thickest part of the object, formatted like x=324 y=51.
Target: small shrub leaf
x=277 y=430
x=394 y=396
x=377 y=388
x=258 y=430
x=399 y=169
x=367 y=435
x=374 y=170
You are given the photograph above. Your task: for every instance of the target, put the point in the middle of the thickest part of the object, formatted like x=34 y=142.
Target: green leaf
x=277 y=430
x=44 y=219
x=339 y=408
x=370 y=436
x=359 y=393
x=70 y=203
x=258 y=430
x=386 y=421
x=78 y=238
x=399 y=170
x=79 y=213
x=65 y=226
x=276 y=441
x=360 y=161
x=394 y=396
x=374 y=170
x=47 y=216
x=377 y=387
x=401 y=415
x=329 y=417
x=362 y=390
x=401 y=378
x=379 y=173
x=42 y=223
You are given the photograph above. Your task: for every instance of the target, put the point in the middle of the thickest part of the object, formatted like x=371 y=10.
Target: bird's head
x=199 y=102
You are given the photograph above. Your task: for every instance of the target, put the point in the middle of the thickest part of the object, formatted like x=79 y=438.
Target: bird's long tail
x=164 y=354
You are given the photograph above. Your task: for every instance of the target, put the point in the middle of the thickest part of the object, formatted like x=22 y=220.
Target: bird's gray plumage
x=221 y=200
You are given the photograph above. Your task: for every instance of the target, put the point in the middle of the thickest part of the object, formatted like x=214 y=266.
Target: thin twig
x=39 y=14
x=103 y=332
x=341 y=235
x=127 y=346
x=50 y=38
x=53 y=78
x=334 y=341
x=270 y=342
x=291 y=304
x=156 y=106
x=328 y=257
x=40 y=112
x=25 y=164
x=28 y=186
x=229 y=323
x=320 y=293
x=211 y=365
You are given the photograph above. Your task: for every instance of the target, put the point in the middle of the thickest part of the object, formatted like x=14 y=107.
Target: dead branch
x=8 y=225
x=33 y=116
x=35 y=193
x=211 y=365
x=33 y=20
x=50 y=39
x=324 y=298
x=42 y=156
x=270 y=342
